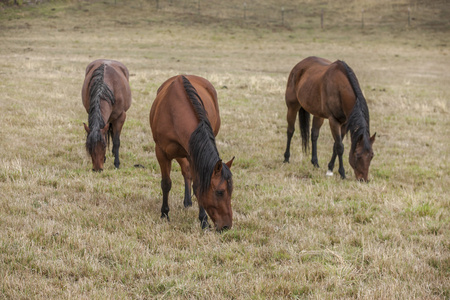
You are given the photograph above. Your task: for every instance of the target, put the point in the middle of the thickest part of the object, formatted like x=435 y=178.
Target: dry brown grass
x=66 y=232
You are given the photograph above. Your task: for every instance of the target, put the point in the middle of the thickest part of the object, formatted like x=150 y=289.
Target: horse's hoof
x=186 y=205
x=165 y=216
x=329 y=173
x=205 y=225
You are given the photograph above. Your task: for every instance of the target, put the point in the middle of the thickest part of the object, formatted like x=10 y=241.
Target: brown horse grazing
x=106 y=96
x=184 y=119
x=330 y=91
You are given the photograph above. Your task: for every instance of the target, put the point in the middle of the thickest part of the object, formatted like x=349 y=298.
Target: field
x=67 y=232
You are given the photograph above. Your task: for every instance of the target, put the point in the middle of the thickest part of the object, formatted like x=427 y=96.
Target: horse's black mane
x=359 y=120
x=202 y=144
x=98 y=90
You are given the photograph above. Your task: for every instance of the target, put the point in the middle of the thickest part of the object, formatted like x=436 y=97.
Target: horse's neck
x=203 y=154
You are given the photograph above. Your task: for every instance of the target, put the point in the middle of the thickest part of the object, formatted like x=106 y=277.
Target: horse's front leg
x=331 y=163
x=203 y=217
x=117 y=129
x=338 y=148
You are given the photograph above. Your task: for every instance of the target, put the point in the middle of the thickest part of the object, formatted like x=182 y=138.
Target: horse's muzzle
x=223 y=228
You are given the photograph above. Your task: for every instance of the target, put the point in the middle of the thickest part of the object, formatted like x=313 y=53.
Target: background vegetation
x=66 y=232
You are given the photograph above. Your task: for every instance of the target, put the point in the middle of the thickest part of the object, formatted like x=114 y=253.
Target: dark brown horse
x=330 y=91
x=184 y=119
x=106 y=96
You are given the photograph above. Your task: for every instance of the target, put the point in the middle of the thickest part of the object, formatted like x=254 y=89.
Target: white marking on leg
x=329 y=173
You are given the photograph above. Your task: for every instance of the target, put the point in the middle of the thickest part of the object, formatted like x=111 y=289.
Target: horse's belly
x=313 y=106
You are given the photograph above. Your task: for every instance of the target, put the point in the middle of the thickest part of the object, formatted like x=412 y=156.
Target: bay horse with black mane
x=184 y=120
x=330 y=91
x=106 y=97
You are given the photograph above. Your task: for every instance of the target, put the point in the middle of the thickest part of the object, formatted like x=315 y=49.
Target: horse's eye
x=220 y=193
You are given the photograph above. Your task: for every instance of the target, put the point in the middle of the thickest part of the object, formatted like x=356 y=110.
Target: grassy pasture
x=66 y=232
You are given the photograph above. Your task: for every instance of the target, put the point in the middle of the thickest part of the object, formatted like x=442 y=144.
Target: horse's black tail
x=98 y=90
x=304 y=120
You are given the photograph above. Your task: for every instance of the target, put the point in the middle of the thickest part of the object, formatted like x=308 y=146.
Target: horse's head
x=361 y=157
x=96 y=146
x=217 y=199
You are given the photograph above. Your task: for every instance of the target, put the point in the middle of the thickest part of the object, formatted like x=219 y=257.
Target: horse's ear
x=105 y=129
x=230 y=163
x=372 y=139
x=218 y=167
x=86 y=128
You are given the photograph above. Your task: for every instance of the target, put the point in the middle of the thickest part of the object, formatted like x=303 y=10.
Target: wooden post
x=157 y=4
x=321 y=19
x=409 y=16
x=362 y=18
x=198 y=8
x=282 y=15
x=245 y=10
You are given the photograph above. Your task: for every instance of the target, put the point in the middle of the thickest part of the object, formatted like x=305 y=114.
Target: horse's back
x=321 y=87
x=172 y=116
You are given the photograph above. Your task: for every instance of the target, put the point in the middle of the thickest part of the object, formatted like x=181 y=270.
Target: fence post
x=321 y=19
x=282 y=15
x=409 y=16
x=362 y=18
x=245 y=10
x=198 y=7
x=157 y=4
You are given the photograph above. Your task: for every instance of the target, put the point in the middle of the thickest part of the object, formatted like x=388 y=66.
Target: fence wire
x=433 y=14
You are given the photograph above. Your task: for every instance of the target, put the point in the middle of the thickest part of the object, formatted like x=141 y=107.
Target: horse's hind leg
x=338 y=148
x=117 y=129
x=315 y=129
x=186 y=171
x=166 y=182
x=293 y=108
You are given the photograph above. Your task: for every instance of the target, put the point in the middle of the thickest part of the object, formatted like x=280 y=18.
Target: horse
x=330 y=91
x=106 y=96
x=184 y=119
